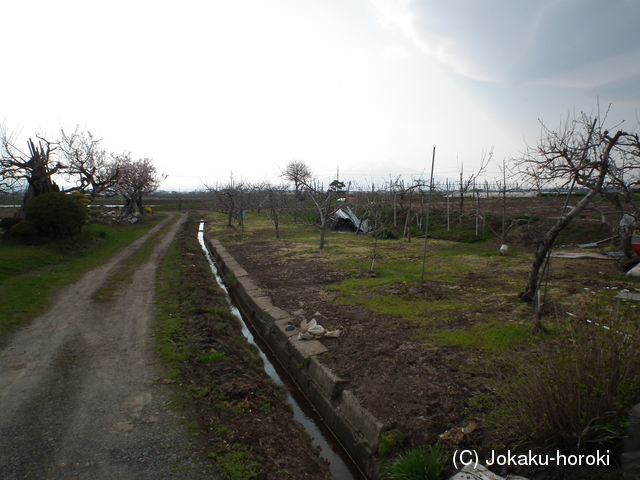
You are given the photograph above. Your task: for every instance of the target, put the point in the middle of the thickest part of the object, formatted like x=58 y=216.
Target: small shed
x=344 y=218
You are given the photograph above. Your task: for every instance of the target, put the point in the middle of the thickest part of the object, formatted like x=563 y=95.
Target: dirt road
x=79 y=396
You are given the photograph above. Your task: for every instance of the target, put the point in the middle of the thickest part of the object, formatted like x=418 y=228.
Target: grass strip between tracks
x=30 y=275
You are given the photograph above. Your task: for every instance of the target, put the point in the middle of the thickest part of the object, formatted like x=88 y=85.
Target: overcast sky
x=207 y=88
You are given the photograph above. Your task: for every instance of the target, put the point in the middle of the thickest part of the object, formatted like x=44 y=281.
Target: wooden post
x=426 y=228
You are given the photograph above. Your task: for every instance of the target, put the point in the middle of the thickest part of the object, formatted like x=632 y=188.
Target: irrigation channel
x=341 y=465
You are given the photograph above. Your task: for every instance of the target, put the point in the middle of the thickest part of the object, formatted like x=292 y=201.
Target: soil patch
x=375 y=353
x=411 y=384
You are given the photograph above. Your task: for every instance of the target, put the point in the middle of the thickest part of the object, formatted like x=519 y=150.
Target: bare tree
x=580 y=152
x=177 y=197
x=233 y=199
x=299 y=173
x=245 y=199
x=34 y=170
x=83 y=162
x=224 y=199
x=466 y=184
x=88 y=165
x=326 y=202
x=276 y=203
x=503 y=190
x=401 y=192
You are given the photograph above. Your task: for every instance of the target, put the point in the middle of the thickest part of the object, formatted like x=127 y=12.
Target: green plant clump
x=212 y=356
x=422 y=463
x=389 y=441
x=385 y=233
x=57 y=214
x=8 y=222
x=491 y=337
x=231 y=279
x=23 y=230
x=305 y=363
x=237 y=465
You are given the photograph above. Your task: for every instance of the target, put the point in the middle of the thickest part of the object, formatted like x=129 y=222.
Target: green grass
x=171 y=334
x=127 y=268
x=238 y=464
x=389 y=441
x=305 y=363
x=490 y=337
x=30 y=275
x=213 y=357
x=415 y=310
x=397 y=270
x=422 y=463
x=388 y=296
x=231 y=279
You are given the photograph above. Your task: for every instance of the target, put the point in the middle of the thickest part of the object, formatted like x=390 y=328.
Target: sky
x=360 y=89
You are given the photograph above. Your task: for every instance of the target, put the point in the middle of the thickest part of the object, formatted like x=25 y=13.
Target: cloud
x=394 y=52
x=603 y=71
x=551 y=42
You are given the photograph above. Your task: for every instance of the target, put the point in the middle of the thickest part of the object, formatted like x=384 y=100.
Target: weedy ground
x=240 y=415
x=428 y=354
x=425 y=355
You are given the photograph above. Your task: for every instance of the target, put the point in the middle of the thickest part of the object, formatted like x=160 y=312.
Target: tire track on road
x=78 y=390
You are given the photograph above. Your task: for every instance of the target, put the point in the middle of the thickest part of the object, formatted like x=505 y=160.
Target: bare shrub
x=577 y=397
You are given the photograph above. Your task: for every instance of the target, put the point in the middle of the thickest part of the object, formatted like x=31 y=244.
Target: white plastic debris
x=634 y=272
x=312 y=327
x=306 y=336
x=312 y=330
x=315 y=328
x=480 y=472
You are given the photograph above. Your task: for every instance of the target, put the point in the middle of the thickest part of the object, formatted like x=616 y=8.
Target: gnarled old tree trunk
x=132 y=207
x=40 y=174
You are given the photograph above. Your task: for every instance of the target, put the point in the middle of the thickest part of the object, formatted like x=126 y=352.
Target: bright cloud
x=506 y=41
x=207 y=88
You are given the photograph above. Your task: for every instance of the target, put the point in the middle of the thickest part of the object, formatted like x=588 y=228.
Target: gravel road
x=79 y=390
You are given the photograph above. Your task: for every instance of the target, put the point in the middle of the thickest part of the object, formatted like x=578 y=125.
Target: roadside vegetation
x=423 y=463
x=241 y=416
x=32 y=273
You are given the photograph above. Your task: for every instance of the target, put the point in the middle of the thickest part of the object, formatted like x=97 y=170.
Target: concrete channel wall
x=352 y=424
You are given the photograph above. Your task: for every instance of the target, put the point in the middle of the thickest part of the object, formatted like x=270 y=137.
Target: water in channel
x=341 y=466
